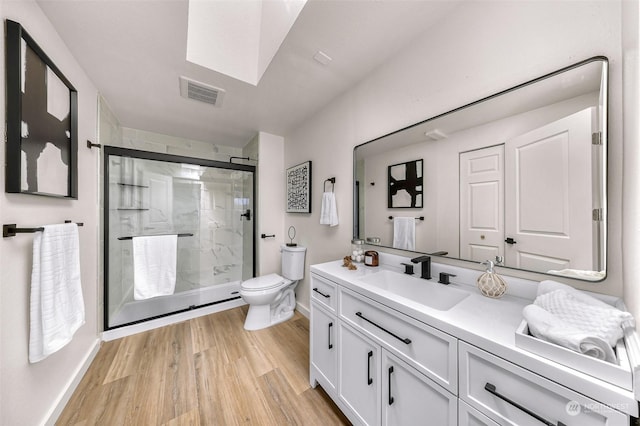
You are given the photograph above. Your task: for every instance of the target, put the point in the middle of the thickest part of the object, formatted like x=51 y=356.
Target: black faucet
x=425 y=262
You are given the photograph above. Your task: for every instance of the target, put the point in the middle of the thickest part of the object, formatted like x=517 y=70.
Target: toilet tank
x=293 y=262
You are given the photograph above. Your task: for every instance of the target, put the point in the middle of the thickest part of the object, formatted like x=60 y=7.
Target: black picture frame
x=405 y=185
x=299 y=188
x=42 y=121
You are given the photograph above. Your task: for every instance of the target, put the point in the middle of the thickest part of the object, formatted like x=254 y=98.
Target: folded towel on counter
x=404 y=233
x=573 y=319
x=550 y=328
x=329 y=210
x=154 y=266
x=56 y=301
x=585 y=312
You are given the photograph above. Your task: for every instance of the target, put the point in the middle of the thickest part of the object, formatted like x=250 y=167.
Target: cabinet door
x=324 y=349
x=469 y=416
x=410 y=398
x=359 y=366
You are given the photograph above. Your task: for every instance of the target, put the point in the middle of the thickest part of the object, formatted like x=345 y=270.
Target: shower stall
x=208 y=204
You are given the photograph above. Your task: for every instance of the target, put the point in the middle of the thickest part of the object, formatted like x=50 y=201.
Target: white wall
x=631 y=191
x=271 y=202
x=480 y=49
x=29 y=392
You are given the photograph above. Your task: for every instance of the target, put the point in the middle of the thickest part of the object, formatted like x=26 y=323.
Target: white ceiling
x=135 y=51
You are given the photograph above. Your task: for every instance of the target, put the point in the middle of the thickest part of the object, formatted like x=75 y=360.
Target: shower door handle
x=247 y=214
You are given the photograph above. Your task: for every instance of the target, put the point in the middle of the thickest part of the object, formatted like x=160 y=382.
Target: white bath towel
x=404 y=233
x=582 y=311
x=56 y=305
x=546 y=326
x=329 y=210
x=154 y=266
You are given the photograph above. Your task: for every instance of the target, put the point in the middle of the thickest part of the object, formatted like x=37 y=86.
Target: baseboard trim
x=73 y=384
x=304 y=310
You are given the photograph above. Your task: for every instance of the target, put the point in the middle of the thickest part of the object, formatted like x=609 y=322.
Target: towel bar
x=10 y=230
x=155 y=235
x=417 y=218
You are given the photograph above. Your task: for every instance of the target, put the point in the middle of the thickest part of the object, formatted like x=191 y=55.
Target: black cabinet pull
x=321 y=293
x=492 y=390
x=404 y=340
x=390 y=397
x=330 y=344
x=369 y=379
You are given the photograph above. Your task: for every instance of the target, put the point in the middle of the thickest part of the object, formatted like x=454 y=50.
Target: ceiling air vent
x=197 y=91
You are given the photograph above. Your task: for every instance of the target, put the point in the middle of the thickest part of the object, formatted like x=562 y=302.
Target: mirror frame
x=605 y=112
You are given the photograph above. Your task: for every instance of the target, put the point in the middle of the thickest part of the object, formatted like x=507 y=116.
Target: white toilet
x=270 y=297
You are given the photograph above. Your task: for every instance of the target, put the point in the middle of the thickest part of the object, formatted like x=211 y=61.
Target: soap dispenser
x=490 y=283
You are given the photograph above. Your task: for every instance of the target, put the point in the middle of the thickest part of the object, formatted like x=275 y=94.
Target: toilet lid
x=264 y=282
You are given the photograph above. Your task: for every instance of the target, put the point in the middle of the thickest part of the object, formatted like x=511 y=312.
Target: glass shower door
x=209 y=205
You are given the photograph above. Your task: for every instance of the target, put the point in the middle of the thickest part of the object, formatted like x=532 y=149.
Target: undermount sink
x=428 y=293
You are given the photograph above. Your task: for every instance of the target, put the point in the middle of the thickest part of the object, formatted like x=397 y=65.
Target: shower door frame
x=108 y=151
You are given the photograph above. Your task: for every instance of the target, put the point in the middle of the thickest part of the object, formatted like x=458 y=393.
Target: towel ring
x=331 y=180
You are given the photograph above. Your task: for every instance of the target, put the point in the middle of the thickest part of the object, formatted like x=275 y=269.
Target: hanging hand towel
x=56 y=305
x=404 y=233
x=329 y=210
x=154 y=266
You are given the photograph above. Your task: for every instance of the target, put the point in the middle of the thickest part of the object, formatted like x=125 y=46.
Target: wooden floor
x=205 y=371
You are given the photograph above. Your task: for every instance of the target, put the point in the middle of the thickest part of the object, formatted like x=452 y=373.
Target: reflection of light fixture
x=435 y=135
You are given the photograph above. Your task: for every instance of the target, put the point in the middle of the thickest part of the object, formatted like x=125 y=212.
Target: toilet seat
x=265 y=282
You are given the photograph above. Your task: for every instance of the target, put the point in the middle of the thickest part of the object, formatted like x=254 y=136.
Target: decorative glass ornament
x=490 y=283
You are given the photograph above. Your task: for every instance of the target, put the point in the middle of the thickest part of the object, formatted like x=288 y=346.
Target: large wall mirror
x=518 y=178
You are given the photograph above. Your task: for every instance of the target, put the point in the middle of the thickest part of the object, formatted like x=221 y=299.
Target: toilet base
x=263 y=316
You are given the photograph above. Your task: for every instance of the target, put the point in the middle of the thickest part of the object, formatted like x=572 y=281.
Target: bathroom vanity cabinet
x=387 y=364
x=385 y=378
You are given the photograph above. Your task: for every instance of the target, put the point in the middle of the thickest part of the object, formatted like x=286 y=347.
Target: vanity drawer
x=324 y=292
x=505 y=392
x=427 y=349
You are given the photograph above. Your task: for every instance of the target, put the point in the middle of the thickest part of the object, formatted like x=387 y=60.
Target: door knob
x=510 y=241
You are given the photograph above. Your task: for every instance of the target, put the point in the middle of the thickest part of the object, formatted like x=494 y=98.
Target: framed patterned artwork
x=299 y=188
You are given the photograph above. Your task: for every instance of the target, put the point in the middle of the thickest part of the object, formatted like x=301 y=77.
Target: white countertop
x=487 y=323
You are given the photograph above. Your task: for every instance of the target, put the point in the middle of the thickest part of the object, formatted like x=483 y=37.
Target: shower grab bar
x=154 y=235
x=11 y=229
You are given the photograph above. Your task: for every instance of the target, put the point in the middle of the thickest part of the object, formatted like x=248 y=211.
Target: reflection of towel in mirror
x=329 y=210
x=404 y=233
x=550 y=328
x=579 y=274
x=57 y=304
x=154 y=266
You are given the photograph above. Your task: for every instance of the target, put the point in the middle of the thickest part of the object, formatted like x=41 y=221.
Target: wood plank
x=206 y=371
